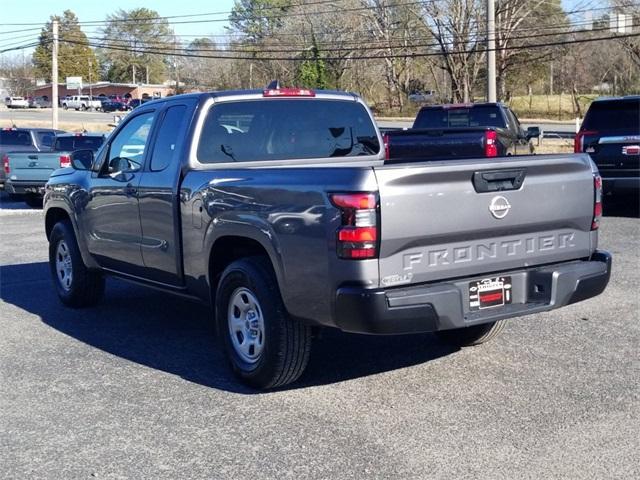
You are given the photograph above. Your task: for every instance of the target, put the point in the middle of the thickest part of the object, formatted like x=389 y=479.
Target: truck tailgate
x=436 y=225
x=31 y=167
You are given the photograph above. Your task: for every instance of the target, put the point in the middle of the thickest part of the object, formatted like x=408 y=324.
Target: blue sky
x=38 y=12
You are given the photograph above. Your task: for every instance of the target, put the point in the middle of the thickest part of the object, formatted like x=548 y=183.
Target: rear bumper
x=24 y=188
x=443 y=306
x=621 y=184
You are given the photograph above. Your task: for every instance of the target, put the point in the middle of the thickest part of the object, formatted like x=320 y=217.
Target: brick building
x=131 y=90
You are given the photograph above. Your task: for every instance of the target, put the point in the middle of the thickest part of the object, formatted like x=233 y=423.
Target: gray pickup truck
x=277 y=208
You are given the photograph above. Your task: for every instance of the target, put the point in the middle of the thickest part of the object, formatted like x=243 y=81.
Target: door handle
x=130 y=190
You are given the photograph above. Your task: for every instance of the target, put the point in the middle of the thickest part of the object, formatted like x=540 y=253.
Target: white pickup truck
x=16 y=102
x=81 y=102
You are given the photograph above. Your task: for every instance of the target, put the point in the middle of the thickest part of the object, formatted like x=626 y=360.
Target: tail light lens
x=65 y=161
x=288 y=92
x=578 y=143
x=490 y=143
x=597 y=202
x=357 y=238
x=5 y=164
x=385 y=141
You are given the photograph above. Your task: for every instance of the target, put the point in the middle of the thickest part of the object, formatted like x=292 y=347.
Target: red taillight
x=288 y=92
x=490 y=143
x=597 y=201
x=65 y=161
x=357 y=238
x=578 y=143
x=5 y=164
x=385 y=141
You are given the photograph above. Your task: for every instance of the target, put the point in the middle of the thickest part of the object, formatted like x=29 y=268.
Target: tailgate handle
x=33 y=157
x=498 y=180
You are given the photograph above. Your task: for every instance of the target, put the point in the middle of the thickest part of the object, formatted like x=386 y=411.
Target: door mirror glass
x=82 y=159
x=533 y=132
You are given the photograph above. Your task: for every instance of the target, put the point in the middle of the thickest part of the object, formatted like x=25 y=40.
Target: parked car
x=427 y=96
x=39 y=102
x=176 y=201
x=81 y=102
x=32 y=140
x=610 y=134
x=136 y=102
x=111 y=106
x=462 y=131
x=16 y=102
x=28 y=172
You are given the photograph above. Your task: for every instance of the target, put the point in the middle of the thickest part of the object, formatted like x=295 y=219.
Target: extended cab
x=277 y=208
x=610 y=134
x=28 y=172
x=467 y=130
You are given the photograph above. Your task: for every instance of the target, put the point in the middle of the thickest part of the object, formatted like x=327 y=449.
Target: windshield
x=15 y=137
x=286 y=129
x=70 y=144
x=476 y=116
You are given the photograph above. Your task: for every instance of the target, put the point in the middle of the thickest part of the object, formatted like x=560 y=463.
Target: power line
x=323 y=47
x=358 y=57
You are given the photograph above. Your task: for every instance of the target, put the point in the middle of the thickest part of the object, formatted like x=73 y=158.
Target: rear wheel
x=470 y=336
x=76 y=285
x=265 y=346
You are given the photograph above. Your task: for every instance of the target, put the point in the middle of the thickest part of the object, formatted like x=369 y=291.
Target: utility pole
x=54 y=76
x=491 y=51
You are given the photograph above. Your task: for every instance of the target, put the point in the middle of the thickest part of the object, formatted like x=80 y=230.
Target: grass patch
x=553 y=107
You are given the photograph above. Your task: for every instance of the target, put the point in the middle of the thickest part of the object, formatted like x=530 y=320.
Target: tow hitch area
x=489 y=293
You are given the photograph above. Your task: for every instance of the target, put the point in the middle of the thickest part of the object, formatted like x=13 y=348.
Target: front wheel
x=76 y=285
x=265 y=346
x=474 y=335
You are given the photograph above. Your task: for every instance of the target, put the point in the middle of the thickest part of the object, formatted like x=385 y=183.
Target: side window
x=126 y=152
x=170 y=131
x=514 y=121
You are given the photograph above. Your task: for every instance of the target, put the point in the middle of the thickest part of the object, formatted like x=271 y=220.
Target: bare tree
x=457 y=26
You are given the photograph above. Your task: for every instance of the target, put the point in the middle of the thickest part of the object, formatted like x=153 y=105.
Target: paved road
x=99 y=117
x=546 y=127
x=64 y=116
x=136 y=388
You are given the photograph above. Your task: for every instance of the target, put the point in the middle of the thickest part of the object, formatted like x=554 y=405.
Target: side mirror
x=533 y=132
x=82 y=159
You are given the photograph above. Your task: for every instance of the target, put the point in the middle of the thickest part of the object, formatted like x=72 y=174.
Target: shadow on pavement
x=176 y=336
x=621 y=206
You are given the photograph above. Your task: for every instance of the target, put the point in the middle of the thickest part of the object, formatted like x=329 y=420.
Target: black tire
x=85 y=287
x=470 y=336
x=64 y=106
x=34 y=201
x=286 y=343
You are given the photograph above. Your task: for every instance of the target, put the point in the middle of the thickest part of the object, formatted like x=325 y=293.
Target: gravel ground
x=137 y=388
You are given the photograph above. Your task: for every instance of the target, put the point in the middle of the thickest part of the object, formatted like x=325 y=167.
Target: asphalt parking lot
x=137 y=388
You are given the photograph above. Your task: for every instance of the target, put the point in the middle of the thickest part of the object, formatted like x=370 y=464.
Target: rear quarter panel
x=286 y=210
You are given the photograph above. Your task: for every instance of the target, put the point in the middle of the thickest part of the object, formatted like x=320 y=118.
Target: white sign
x=74 y=82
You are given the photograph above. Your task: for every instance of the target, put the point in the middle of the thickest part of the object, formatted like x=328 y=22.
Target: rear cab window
x=613 y=115
x=15 y=137
x=286 y=129
x=460 y=116
x=70 y=144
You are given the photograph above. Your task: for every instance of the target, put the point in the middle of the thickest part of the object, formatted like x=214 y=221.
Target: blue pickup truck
x=28 y=172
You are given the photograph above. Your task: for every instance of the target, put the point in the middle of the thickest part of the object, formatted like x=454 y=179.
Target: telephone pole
x=491 y=51
x=54 y=76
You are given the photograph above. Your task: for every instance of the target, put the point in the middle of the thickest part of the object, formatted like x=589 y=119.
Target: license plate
x=37 y=190
x=490 y=293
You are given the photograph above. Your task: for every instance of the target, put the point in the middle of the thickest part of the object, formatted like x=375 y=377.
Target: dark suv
x=610 y=133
